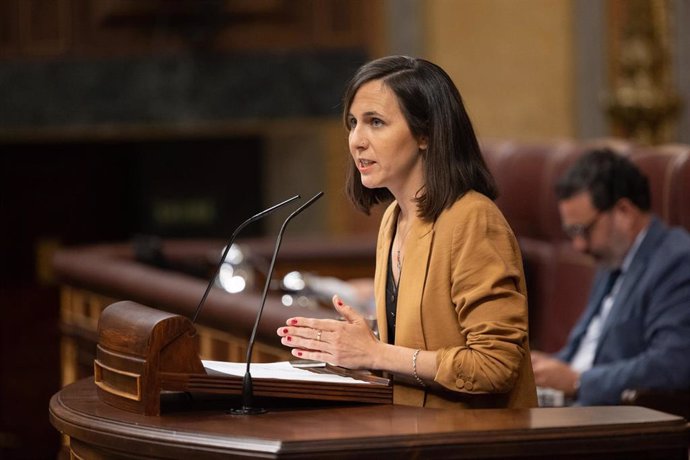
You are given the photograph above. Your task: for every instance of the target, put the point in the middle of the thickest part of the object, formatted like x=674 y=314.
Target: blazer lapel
x=382 y=259
x=409 y=330
x=632 y=276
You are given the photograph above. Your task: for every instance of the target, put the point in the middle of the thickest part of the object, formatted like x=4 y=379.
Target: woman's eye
x=352 y=122
x=376 y=122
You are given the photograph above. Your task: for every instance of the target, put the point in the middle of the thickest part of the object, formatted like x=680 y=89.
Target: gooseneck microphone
x=254 y=218
x=247 y=385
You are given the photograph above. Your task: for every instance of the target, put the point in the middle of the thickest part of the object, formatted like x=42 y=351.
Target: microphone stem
x=279 y=239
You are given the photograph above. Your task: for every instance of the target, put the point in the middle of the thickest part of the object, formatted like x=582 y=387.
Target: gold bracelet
x=414 y=368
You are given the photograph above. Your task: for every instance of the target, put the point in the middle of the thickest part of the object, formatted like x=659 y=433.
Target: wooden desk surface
x=97 y=430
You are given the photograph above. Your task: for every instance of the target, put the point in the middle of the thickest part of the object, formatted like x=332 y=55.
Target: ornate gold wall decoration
x=642 y=104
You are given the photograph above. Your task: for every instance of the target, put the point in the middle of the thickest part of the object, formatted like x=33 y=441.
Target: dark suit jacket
x=645 y=341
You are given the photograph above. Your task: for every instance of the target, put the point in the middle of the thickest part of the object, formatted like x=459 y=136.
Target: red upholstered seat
x=559 y=278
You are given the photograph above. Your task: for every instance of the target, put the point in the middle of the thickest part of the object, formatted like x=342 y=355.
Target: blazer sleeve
x=488 y=294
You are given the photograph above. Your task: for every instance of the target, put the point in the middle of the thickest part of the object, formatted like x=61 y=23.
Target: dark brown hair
x=608 y=177
x=433 y=108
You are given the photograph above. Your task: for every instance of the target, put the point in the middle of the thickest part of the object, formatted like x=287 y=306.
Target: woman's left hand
x=349 y=343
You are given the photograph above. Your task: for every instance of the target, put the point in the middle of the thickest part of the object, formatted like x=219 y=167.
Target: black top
x=391 y=299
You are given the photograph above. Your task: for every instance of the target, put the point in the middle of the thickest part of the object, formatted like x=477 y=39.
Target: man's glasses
x=581 y=230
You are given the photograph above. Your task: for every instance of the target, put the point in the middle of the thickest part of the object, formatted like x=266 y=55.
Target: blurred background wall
x=179 y=118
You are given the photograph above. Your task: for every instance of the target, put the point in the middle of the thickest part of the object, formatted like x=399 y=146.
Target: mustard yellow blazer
x=462 y=294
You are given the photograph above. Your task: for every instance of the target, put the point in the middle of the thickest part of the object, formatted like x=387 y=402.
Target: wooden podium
x=195 y=429
x=142 y=352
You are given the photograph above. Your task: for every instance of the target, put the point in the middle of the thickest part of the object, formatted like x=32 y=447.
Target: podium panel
x=143 y=352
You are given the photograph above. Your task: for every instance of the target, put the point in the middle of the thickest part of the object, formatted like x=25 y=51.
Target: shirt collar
x=633 y=249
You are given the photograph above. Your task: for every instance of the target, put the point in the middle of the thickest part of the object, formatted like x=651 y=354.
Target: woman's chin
x=370 y=183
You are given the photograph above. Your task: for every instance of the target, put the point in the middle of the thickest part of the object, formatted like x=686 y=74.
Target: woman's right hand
x=349 y=343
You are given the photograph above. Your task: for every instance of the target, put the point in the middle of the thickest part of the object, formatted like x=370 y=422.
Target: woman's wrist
x=380 y=356
x=411 y=363
x=419 y=381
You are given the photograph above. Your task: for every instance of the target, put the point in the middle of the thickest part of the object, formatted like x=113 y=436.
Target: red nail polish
x=299 y=353
x=285 y=331
x=289 y=339
x=293 y=321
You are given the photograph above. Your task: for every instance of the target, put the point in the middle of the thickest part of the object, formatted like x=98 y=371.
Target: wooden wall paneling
x=97 y=33
x=113 y=27
x=44 y=26
x=497 y=51
x=129 y=27
x=9 y=32
x=337 y=22
x=279 y=25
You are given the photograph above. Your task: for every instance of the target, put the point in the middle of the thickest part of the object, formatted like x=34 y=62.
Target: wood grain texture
x=371 y=431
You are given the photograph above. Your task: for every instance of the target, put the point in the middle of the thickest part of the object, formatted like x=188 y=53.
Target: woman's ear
x=423 y=143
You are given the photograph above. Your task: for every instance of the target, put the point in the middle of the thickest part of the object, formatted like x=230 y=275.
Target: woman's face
x=381 y=144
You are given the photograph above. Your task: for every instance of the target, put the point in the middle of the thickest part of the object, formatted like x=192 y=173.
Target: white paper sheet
x=281 y=370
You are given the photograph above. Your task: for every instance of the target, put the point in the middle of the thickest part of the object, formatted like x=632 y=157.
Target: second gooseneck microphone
x=247 y=385
x=255 y=217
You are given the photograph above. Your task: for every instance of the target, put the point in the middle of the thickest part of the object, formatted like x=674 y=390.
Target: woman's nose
x=358 y=140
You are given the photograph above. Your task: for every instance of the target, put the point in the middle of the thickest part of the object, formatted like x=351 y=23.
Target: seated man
x=635 y=331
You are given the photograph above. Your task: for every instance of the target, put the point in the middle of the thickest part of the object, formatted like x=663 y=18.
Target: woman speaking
x=449 y=286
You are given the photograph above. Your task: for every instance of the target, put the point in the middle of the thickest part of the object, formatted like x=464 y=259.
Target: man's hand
x=552 y=373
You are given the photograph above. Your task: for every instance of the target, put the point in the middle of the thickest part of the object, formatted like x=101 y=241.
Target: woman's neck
x=407 y=203
x=406 y=192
